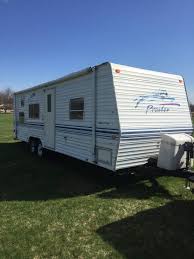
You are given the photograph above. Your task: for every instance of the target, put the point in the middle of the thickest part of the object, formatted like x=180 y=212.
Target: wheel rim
x=32 y=147
x=40 y=150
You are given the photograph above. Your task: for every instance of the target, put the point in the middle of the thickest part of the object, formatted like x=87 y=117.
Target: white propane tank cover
x=171 y=154
x=177 y=139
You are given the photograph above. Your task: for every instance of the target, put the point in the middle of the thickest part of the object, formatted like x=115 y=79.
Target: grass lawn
x=59 y=207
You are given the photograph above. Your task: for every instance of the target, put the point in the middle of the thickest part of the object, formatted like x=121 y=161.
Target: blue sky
x=41 y=40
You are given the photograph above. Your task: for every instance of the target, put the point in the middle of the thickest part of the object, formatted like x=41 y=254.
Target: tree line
x=6 y=100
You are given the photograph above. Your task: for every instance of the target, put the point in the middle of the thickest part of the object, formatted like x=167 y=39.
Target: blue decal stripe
x=33 y=124
x=102 y=130
x=144 y=136
x=85 y=133
x=148 y=130
x=127 y=134
x=71 y=128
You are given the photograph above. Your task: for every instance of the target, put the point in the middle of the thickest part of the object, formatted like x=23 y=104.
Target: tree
x=6 y=99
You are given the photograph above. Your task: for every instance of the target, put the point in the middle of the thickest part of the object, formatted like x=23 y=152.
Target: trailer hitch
x=189 y=149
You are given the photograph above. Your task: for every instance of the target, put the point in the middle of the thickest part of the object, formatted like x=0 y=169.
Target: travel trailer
x=110 y=115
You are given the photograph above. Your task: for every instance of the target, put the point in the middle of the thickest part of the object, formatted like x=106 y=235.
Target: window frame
x=32 y=116
x=77 y=110
x=22 y=101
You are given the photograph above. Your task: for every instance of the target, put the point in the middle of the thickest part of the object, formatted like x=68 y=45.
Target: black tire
x=33 y=146
x=40 y=149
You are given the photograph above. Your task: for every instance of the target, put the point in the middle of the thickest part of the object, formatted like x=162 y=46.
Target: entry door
x=50 y=118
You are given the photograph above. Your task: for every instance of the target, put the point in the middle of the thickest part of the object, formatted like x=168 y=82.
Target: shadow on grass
x=138 y=190
x=26 y=177
x=164 y=232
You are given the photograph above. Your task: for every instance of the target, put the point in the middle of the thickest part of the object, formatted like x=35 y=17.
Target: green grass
x=59 y=207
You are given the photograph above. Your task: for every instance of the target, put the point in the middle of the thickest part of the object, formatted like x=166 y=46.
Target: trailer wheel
x=40 y=150
x=33 y=146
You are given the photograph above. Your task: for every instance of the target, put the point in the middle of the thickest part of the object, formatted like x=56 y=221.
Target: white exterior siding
x=29 y=130
x=74 y=137
x=75 y=88
x=107 y=115
x=31 y=127
x=143 y=117
x=107 y=121
x=127 y=107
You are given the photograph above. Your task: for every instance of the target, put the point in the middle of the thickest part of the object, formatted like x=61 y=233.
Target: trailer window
x=21 y=117
x=76 y=109
x=34 y=111
x=22 y=102
x=49 y=103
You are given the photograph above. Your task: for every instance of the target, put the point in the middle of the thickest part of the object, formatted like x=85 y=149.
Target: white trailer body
x=110 y=115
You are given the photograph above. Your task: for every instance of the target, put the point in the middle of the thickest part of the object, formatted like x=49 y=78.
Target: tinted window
x=22 y=101
x=76 y=109
x=34 y=111
x=49 y=103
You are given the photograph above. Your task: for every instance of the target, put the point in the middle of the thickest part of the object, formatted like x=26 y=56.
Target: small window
x=49 y=103
x=34 y=111
x=22 y=102
x=76 y=109
x=21 y=117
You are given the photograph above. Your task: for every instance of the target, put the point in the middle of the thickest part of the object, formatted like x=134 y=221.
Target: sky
x=41 y=40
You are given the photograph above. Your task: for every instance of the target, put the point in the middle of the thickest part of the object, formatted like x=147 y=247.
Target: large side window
x=76 y=109
x=34 y=111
